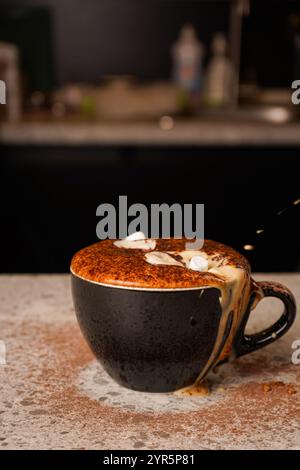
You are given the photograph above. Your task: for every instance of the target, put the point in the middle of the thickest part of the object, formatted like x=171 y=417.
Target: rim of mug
x=146 y=289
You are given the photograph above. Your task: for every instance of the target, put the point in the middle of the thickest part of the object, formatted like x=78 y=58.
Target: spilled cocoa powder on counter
x=64 y=402
x=274 y=386
x=46 y=402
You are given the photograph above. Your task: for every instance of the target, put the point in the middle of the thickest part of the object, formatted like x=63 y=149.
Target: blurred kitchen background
x=183 y=101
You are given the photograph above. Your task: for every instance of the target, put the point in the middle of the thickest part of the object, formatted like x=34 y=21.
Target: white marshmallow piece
x=146 y=244
x=136 y=236
x=198 y=263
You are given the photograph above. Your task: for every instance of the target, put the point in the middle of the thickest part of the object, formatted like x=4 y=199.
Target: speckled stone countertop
x=185 y=132
x=54 y=395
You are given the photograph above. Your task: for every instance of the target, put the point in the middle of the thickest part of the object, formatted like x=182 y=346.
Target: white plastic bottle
x=219 y=74
x=187 y=55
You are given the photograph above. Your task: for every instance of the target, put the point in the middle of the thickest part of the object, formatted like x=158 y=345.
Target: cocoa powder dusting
x=103 y=262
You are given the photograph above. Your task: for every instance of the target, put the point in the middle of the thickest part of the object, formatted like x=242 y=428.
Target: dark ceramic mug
x=156 y=340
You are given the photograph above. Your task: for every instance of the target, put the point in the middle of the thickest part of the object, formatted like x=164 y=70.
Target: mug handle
x=243 y=343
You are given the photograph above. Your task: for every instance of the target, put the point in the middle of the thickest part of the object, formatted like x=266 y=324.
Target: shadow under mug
x=161 y=341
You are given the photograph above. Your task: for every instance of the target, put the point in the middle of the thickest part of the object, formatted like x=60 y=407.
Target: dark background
x=49 y=203
x=49 y=195
x=82 y=41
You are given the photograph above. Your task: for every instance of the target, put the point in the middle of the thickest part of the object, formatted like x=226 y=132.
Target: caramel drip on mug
x=235 y=295
x=234 y=285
